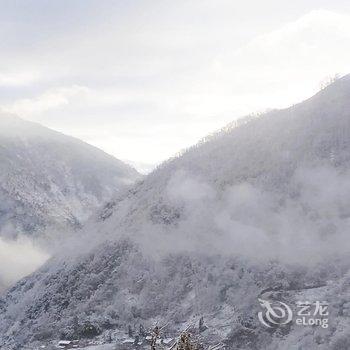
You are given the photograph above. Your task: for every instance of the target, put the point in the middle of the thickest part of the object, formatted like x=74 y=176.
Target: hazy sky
x=144 y=79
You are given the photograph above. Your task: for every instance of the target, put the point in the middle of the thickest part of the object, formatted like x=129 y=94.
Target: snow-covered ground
x=99 y=347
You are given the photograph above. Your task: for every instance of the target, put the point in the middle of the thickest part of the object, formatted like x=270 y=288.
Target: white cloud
x=162 y=76
x=17 y=259
x=18 y=78
x=52 y=99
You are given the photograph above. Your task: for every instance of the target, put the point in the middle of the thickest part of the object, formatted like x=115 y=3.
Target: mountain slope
x=259 y=209
x=52 y=181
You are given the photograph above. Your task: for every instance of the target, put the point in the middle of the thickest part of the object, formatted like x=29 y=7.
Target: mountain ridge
x=45 y=173
x=205 y=234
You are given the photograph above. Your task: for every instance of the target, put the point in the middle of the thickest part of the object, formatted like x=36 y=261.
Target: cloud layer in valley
x=306 y=226
x=18 y=258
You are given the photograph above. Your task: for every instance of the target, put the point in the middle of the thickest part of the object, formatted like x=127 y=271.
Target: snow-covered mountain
x=258 y=210
x=50 y=182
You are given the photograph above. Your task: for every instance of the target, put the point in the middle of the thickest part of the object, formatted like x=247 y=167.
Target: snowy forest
x=259 y=209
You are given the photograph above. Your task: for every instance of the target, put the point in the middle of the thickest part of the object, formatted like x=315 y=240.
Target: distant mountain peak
x=48 y=178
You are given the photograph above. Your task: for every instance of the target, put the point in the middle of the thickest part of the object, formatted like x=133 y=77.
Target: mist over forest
x=258 y=207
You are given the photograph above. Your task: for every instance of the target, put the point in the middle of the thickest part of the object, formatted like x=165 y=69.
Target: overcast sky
x=144 y=79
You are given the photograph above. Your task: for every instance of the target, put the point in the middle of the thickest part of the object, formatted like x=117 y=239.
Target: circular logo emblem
x=275 y=313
